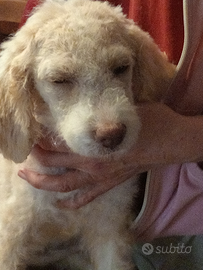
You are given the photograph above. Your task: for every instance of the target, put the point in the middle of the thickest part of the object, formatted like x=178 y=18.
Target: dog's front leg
x=15 y=221
x=14 y=240
x=108 y=238
x=10 y=254
x=112 y=254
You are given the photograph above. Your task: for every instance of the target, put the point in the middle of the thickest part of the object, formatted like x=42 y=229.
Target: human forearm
x=165 y=137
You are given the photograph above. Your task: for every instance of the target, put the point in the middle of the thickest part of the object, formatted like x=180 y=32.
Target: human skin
x=166 y=137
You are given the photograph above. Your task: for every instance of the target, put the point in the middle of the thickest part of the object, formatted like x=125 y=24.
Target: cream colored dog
x=76 y=67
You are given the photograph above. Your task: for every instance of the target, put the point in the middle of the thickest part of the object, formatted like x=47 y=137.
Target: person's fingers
x=71 y=160
x=74 y=179
x=57 y=183
x=84 y=196
x=49 y=158
x=87 y=192
x=52 y=142
x=93 y=190
x=60 y=184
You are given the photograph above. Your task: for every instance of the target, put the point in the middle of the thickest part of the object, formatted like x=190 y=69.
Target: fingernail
x=22 y=175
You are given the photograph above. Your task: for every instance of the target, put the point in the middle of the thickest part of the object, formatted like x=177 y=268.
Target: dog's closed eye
x=63 y=81
x=117 y=71
x=66 y=80
x=120 y=70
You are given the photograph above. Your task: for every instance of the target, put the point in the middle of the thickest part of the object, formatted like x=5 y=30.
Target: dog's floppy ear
x=153 y=72
x=18 y=97
x=18 y=127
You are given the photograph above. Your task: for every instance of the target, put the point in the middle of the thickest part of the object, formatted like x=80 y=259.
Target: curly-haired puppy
x=76 y=68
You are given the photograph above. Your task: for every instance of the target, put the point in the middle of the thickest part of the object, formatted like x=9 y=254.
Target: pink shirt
x=173 y=203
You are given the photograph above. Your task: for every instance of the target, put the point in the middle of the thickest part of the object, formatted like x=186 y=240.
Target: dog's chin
x=86 y=145
x=114 y=153
x=96 y=150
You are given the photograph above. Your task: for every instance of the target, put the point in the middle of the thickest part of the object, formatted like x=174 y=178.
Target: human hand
x=165 y=137
x=92 y=176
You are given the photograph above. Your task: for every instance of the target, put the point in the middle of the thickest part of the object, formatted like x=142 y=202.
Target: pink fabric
x=173 y=203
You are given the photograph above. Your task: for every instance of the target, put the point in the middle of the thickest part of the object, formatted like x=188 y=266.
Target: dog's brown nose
x=110 y=135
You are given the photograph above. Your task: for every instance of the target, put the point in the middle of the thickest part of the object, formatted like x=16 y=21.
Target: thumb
x=84 y=196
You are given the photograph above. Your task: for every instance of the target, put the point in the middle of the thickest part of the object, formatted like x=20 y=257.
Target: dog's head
x=83 y=65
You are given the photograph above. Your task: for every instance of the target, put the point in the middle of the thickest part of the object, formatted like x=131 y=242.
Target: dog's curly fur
x=78 y=68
